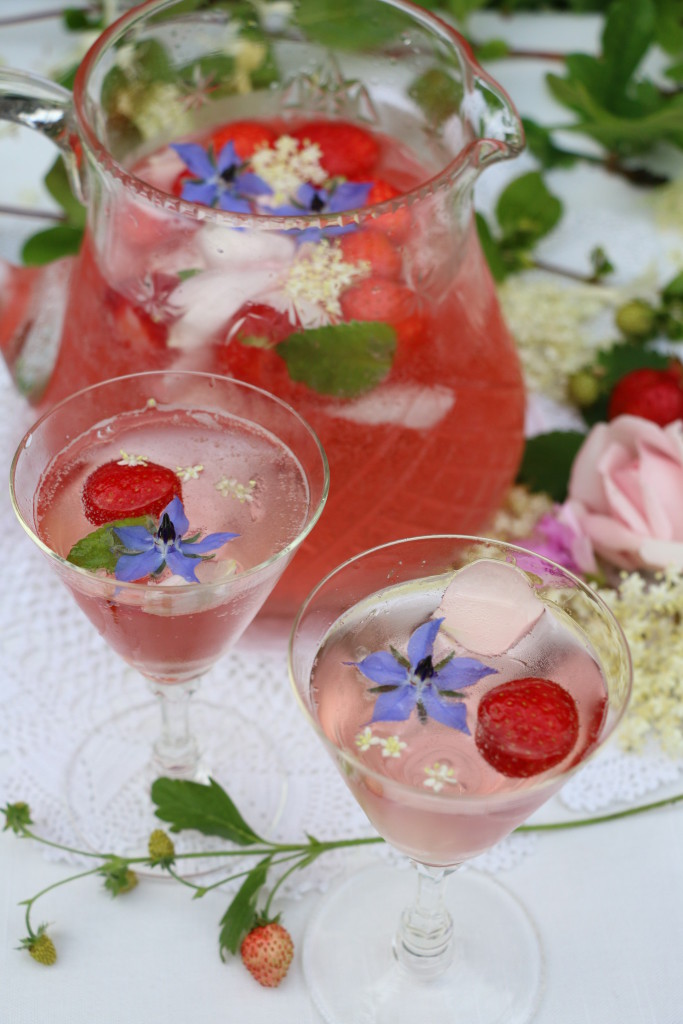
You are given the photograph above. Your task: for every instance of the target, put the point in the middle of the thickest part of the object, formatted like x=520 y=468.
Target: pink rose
x=626 y=493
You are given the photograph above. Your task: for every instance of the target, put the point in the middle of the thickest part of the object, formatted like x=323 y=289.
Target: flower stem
x=599 y=819
x=49 y=888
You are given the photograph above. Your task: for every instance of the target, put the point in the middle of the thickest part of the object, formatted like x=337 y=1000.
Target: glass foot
x=354 y=977
x=110 y=774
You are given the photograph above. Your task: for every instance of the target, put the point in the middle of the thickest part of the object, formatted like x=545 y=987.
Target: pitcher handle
x=44 y=106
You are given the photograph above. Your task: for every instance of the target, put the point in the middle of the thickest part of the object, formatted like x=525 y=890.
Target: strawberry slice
x=526 y=726
x=348 y=151
x=114 y=491
x=375 y=248
x=246 y=136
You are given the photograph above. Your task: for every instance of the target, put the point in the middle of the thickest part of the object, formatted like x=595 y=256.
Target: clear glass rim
x=198 y=212
x=181 y=588
x=434 y=799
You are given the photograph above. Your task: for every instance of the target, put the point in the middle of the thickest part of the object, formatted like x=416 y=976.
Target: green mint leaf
x=540 y=144
x=547 y=462
x=438 y=95
x=527 y=210
x=345 y=23
x=101 y=549
x=51 y=244
x=208 y=809
x=240 y=916
x=76 y=19
x=629 y=30
x=494 y=256
x=492 y=49
x=341 y=360
x=58 y=185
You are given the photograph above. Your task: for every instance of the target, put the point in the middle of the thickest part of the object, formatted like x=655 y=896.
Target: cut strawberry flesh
x=246 y=136
x=114 y=491
x=526 y=726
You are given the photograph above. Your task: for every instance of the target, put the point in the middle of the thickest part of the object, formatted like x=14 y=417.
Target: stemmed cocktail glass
x=456 y=682
x=169 y=503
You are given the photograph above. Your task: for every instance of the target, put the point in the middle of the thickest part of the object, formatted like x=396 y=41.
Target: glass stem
x=176 y=752
x=424 y=940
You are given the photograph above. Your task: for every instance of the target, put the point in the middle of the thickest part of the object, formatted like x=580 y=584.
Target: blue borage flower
x=219 y=181
x=416 y=682
x=311 y=199
x=149 y=551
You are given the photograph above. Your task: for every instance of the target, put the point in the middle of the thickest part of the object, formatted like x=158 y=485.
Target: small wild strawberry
x=655 y=395
x=41 y=947
x=160 y=847
x=267 y=952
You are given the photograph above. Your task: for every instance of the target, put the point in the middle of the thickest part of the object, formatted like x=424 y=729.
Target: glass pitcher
x=282 y=192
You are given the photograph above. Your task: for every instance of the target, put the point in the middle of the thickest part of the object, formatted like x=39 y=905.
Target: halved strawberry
x=115 y=491
x=247 y=137
x=348 y=150
x=247 y=352
x=395 y=224
x=526 y=726
x=371 y=246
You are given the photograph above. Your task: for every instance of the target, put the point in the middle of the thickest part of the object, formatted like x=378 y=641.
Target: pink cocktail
x=457 y=683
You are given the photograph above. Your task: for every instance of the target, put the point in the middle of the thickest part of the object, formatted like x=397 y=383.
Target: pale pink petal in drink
x=466 y=607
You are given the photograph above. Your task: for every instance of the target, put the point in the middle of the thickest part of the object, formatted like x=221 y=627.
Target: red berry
x=114 y=491
x=347 y=150
x=247 y=137
x=376 y=298
x=655 y=395
x=526 y=726
x=267 y=952
x=395 y=224
x=375 y=248
x=134 y=326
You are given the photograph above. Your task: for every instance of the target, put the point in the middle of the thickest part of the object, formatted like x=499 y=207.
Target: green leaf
x=76 y=19
x=627 y=35
x=240 y=916
x=492 y=49
x=102 y=549
x=547 y=462
x=208 y=809
x=58 y=185
x=342 y=360
x=348 y=24
x=118 y=877
x=527 y=210
x=673 y=291
x=675 y=71
x=614 y=363
x=494 y=257
x=438 y=95
x=540 y=143
x=51 y=244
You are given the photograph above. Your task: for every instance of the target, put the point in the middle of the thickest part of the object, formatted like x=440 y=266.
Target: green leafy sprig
x=208 y=809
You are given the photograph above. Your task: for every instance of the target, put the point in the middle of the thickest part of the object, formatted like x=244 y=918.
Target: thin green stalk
x=55 y=885
x=601 y=818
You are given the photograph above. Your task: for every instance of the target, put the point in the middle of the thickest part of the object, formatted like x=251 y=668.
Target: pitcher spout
x=496 y=125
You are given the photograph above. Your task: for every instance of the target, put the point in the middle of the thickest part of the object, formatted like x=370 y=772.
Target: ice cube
x=488 y=607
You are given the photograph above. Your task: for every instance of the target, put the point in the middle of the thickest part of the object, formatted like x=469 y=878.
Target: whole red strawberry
x=526 y=726
x=119 y=490
x=347 y=150
x=375 y=248
x=267 y=952
x=655 y=395
x=246 y=136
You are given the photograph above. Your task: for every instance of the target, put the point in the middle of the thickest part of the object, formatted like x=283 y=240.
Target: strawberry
x=247 y=137
x=133 y=326
x=374 y=247
x=247 y=351
x=395 y=224
x=118 y=490
x=526 y=726
x=655 y=395
x=348 y=150
x=267 y=952
x=377 y=298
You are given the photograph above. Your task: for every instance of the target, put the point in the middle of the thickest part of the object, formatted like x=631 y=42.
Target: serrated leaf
x=207 y=809
x=346 y=24
x=340 y=360
x=492 y=49
x=628 y=32
x=547 y=462
x=526 y=210
x=540 y=143
x=673 y=291
x=438 y=95
x=240 y=916
x=102 y=549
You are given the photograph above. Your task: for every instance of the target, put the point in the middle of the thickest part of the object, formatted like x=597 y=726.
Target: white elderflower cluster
x=519 y=513
x=319 y=275
x=650 y=612
x=554 y=328
x=285 y=167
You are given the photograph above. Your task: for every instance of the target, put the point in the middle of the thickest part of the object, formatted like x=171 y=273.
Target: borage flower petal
x=135 y=567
